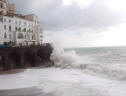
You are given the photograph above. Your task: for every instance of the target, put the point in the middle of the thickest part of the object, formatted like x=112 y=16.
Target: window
x=4 y=20
x=1 y=5
x=33 y=37
x=5 y=27
x=20 y=36
x=9 y=28
x=24 y=30
x=16 y=28
x=28 y=30
x=5 y=35
x=9 y=21
x=41 y=36
x=19 y=29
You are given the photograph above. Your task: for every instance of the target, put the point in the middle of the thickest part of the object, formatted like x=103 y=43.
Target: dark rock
x=23 y=57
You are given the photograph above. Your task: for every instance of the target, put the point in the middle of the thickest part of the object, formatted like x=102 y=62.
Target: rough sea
x=96 y=71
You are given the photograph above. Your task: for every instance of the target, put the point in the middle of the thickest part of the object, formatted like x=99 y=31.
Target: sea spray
x=70 y=59
x=67 y=59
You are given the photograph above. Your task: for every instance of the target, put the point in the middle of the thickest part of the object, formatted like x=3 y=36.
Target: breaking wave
x=70 y=59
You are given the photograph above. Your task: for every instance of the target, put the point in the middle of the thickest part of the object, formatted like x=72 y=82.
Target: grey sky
x=68 y=21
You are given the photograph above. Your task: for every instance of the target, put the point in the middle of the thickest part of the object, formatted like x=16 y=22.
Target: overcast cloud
x=72 y=21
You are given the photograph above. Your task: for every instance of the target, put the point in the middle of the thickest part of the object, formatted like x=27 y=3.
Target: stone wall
x=23 y=57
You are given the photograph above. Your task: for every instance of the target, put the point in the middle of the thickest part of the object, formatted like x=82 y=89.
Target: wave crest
x=71 y=59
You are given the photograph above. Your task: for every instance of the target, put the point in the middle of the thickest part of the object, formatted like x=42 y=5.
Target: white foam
x=64 y=82
x=71 y=59
x=67 y=59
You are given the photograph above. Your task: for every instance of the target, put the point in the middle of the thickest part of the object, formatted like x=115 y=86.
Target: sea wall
x=23 y=57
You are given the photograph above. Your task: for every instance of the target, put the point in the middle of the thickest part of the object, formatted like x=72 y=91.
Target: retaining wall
x=23 y=57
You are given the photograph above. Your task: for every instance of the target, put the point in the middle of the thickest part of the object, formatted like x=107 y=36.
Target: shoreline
x=33 y=91
x=13 y=71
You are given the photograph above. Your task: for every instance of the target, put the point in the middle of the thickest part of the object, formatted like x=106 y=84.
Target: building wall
x=17 y=28
x=31 y=17
x=1 y=33
x=7 y=29
x=20 y=30
x=6 y=7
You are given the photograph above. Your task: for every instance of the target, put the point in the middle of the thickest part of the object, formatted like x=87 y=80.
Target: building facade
x=18 y=29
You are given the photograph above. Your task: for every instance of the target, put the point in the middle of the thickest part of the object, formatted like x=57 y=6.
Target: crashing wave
x=70 y=59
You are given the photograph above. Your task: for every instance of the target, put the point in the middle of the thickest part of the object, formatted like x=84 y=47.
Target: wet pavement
x=24 y=92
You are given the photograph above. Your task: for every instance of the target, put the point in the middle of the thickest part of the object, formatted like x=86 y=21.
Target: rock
x=23 y=57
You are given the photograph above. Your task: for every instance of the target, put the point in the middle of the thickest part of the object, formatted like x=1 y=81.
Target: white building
x=21 y=30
